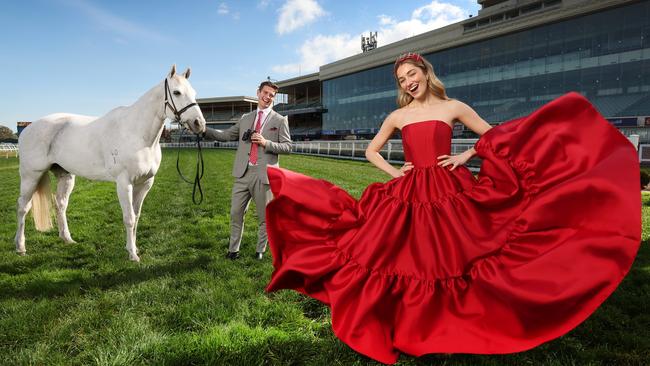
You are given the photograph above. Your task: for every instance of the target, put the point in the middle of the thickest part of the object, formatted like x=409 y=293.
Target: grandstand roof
x=227 y=99
x=495 y=19
x=298 y=80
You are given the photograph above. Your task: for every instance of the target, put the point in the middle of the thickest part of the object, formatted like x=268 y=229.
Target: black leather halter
x=172 y=105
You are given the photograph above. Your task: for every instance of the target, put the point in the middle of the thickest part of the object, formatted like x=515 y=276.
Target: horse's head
x=180 y=99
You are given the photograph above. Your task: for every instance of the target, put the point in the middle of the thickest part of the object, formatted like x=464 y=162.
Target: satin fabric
x=438 y=261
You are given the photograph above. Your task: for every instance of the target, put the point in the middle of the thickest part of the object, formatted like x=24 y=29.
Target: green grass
x=185 y=304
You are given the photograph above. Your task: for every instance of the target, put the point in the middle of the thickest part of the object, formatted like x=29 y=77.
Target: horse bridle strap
x=200 y=169
x=199 y=163
x=172 y=105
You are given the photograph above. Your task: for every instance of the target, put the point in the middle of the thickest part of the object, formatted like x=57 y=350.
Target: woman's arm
x=467 y=116
x=372 y=152
x=470 y=118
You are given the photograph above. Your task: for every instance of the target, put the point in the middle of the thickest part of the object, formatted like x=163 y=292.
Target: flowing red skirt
x=443 y=262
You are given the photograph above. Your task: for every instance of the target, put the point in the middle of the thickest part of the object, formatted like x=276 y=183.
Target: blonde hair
x=434 y=84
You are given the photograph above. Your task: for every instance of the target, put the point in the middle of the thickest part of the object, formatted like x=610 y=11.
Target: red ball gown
x=440 y=261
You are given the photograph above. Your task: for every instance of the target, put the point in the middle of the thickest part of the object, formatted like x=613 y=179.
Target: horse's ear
x=187 y=73
x=172 y=72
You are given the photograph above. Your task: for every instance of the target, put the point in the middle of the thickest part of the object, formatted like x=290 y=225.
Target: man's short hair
x=269 y=84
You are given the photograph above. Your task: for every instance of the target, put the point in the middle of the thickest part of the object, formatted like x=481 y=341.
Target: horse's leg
x=28 y=182
x=139 y=193
x=65 y=184
x=125 y=194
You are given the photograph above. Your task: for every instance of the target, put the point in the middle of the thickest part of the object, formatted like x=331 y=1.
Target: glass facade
x=604 y=56
x=358 y=101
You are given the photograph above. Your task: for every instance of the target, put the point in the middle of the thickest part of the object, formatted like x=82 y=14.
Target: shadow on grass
x=86 y=280
x=643 y=256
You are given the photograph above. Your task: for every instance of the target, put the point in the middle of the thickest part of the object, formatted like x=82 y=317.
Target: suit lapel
x=250 y=121
x=269 y=122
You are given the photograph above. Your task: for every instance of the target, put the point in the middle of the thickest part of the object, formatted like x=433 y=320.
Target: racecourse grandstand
x=303 y=106
x=219 y=112
x=509 y=60
x=223 y=112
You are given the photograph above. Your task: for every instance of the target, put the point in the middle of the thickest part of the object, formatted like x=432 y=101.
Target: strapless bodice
x=424 y=141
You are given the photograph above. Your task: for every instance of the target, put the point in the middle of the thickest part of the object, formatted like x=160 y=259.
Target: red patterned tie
x=252 y=157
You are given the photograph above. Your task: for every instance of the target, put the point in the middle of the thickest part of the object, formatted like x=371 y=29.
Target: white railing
x=8 y=150
x=644 y=153
x=393 y=151
x=204 y=144
x=634 y=140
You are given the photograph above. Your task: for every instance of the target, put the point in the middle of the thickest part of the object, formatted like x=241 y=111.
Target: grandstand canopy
x=221 y=112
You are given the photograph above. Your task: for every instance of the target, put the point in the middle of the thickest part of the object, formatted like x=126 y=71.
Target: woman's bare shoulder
x=395 y=117
x=455 y=103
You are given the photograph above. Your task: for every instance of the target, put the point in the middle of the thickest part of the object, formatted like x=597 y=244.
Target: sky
x=90 y=56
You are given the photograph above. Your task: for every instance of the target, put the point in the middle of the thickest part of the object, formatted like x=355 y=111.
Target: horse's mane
x=117 y=111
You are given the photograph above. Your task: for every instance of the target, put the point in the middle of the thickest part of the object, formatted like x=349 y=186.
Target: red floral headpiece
x=407 y=56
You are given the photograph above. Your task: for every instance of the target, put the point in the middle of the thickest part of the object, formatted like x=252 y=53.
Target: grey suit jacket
x=275 y=131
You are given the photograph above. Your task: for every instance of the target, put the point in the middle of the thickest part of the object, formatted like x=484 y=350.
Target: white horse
x=122 y=147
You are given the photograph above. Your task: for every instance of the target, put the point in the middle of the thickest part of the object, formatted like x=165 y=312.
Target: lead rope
x=200 y=168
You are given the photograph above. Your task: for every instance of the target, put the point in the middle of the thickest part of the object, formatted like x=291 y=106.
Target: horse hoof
x=67 y=239
x=21 y=253
x=134 y=258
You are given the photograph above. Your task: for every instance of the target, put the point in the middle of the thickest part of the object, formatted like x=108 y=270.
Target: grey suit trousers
x=249 y=186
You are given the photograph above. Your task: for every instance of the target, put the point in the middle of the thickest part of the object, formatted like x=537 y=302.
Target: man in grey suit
x=262 y=135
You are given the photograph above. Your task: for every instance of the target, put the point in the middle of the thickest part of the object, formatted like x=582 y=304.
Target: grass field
x=185 y=304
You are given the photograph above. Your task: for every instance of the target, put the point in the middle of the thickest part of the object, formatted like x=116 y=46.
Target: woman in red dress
x=438 y=261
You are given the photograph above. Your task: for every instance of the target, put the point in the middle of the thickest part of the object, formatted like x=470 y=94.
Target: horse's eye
x=176 y=92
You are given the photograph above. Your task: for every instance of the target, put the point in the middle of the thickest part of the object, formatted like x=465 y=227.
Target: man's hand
x=257 y=138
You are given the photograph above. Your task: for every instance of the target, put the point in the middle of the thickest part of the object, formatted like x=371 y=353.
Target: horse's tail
x=41 y=204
